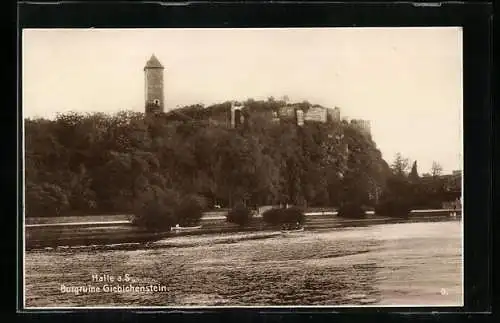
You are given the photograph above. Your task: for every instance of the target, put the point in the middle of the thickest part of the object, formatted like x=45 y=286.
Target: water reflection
x=385 y=264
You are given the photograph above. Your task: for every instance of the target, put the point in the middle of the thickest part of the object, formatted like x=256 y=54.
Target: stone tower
x=153 y=78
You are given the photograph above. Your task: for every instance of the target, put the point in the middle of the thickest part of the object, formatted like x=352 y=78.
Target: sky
x=406 y=81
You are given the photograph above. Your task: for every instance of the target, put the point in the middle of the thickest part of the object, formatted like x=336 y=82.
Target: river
x=389 y=264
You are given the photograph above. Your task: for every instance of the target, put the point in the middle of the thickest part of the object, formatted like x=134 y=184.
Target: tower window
x=156 y=102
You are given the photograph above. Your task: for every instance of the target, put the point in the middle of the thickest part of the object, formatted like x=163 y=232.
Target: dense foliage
x=273 y=216
x=190 y=210
x=292 y=215
x=352 y=210
x=97 y=163
x=398 y=199
x=406 y=191
x=155 y=209
x=158 y=209
x=239 y=215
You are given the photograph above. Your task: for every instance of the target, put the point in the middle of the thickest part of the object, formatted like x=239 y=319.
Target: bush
x=154 y=210
x=240 y=215
x=273 y=216
x=397 y=208
x=351 y=210
x=190 y=210
x=45 y=200
x=291 y=215
x=398 y=199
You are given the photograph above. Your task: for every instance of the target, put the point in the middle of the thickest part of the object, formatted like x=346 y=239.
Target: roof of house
x=153 y=62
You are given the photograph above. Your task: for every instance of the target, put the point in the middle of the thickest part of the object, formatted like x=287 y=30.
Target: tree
x=400 y=165
x=190 y=210
x=293 y=215
x=81 y=196
x=436 y=169
x=45 y=200
x=107 y=163
x=397 y=198
x=273 y=216
x=284 y=216
x=239 y=215
x=414 y=173
x=351 y=210
x=363 y=173
x=154 y=209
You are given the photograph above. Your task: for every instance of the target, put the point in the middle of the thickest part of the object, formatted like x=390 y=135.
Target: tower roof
x=153 y=62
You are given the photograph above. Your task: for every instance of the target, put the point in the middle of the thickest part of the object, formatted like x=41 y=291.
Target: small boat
x=292 y=230
x=178 y=228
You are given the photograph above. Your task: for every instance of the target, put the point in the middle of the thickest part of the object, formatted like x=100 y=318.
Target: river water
x=389 y=264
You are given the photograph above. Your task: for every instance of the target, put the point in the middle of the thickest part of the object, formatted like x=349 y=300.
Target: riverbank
x=123 y=232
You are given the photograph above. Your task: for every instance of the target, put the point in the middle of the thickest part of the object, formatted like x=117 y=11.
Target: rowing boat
x=178 y=228
x=293 y=231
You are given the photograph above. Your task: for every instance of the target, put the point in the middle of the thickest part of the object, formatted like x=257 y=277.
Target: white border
x=33 y=309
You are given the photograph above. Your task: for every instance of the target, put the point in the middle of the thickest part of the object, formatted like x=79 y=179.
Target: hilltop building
x=334 y=113
x=153 y=85
x=316 y=113
x=287 y=112
x=236 y=114
x=363 y=125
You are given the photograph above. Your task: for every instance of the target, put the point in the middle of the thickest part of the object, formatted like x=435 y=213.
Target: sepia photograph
x=242 y=167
